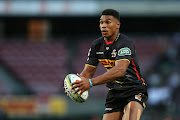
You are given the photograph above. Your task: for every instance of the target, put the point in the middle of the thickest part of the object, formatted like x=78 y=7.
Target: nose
x=103 y=25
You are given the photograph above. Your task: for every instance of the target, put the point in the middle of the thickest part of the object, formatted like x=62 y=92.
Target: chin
x=105 y=35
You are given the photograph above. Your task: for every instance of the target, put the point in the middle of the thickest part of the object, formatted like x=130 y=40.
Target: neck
x=112 y=37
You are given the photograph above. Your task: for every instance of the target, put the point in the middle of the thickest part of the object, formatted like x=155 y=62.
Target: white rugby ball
x=70 y=78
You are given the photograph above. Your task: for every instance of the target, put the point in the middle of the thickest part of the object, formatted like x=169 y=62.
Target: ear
x=118 y=24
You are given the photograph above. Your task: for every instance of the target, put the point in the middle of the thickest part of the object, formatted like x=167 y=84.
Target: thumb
x=78 y=74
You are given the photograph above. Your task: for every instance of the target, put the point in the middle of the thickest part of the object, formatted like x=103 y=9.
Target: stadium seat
x=42 y=67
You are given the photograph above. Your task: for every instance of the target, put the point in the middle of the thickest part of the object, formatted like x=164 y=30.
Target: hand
x=82 y=85
x=65 y=91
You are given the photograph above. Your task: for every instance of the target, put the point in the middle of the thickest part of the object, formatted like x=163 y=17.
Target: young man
x=127 y=89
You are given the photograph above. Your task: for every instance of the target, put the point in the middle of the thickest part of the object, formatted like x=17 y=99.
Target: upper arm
x=124 y=55
x=122 y=65
x=91 y=64
x=88 y=71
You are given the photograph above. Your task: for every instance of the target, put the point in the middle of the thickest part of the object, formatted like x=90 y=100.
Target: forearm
x=87 y=74
x=109 y=76
x=88 y=71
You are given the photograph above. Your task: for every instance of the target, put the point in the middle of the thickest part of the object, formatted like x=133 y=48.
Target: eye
x=108 y=22
x=101 y=22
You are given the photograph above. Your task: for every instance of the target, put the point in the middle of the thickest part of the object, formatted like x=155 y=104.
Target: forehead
x=107 y=17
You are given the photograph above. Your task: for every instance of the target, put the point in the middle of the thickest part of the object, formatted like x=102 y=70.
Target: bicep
x=122 y=64
x=88 y=71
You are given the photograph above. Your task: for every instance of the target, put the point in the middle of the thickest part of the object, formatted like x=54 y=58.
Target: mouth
x=104 y=31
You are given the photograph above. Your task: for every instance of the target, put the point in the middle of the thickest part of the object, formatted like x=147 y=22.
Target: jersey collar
x=107 y=43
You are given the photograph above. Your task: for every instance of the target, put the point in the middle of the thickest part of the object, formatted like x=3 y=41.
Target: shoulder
x=124 y=38
x=98 y=41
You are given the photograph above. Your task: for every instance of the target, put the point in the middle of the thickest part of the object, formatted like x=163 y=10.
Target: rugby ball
x=70 y=78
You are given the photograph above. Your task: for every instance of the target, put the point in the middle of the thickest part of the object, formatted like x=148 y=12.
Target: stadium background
x=41 y=41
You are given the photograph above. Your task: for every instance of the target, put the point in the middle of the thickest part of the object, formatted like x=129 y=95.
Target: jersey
x=109 y=52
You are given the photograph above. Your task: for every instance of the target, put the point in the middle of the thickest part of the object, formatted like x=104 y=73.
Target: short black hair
x=112 y=12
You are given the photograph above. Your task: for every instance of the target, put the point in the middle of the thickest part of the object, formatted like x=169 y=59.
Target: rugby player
x=127 y=88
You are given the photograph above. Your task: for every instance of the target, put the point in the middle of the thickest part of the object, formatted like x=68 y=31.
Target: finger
x=79 y=89
x=76 y=91
x=78 y=75
x=77 y=82
x=75 y=86
x=81 y=93
x=66 y=93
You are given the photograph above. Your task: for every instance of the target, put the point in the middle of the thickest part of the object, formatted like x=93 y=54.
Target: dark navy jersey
x=107 y=53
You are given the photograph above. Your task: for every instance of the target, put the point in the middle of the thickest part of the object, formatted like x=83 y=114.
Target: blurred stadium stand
x=37 y=65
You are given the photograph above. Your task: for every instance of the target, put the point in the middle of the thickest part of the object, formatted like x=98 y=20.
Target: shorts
x=116 y=100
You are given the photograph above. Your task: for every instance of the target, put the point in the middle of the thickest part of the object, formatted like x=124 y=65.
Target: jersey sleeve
x=125 y=51
x=92 y=59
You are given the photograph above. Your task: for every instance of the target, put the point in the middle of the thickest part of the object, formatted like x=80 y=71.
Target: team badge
x=114 y=53
x=107 y=48
x=124 y=51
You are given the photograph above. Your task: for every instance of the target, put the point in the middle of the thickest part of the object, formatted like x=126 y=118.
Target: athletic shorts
x=116 y=100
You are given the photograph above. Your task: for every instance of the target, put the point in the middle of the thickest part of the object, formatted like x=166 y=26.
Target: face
x=108 y=25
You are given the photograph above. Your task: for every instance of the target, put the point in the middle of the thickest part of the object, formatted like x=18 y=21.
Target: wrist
x=90 y=82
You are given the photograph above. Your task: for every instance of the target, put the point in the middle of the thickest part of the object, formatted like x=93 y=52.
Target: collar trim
x=111 y=42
